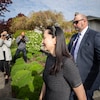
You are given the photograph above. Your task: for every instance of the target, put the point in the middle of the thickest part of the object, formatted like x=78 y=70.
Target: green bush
x=34 y=43
x=26 y=77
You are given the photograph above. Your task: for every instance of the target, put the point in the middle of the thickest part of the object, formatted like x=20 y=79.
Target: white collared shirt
x=78 y=43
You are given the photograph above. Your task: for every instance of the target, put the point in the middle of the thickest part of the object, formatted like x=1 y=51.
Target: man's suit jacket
x=88 y=59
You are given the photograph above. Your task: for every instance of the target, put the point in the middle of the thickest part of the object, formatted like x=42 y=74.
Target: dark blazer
x=88 y=59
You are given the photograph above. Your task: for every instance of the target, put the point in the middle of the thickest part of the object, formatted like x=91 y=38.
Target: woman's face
x=49 y=42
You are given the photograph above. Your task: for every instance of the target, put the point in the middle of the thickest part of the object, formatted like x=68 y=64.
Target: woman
x=7 y=54
x=60 y=74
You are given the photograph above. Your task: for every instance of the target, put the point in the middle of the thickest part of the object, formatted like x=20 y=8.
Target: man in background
x=21 y=42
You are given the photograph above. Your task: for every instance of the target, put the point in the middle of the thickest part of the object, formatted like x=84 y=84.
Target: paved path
x=5 y=89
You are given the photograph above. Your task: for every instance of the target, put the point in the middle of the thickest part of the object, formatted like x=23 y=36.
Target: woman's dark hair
x=61 y=47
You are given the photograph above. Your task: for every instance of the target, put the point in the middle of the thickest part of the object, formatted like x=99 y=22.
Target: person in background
x=86 y=54
x=21 y=42
x=6 y=44
x=60 y=73
x=1 y=54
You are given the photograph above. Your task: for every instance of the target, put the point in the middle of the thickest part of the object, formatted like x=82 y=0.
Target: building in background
x=94 y=22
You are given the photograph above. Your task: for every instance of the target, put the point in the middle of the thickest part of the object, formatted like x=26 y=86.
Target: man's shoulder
x=93 y=31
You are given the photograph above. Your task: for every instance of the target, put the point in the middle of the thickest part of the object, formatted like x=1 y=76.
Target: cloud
x=67 y=7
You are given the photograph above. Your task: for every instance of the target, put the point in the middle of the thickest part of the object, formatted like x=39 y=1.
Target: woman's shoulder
x=68 y=61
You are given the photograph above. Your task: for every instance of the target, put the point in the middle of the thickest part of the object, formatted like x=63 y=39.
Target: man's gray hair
x=82 y=15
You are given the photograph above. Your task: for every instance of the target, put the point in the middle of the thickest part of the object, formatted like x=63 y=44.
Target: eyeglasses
x=76 y=22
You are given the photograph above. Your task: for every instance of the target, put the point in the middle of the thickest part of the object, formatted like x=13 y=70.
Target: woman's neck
x=52 y=52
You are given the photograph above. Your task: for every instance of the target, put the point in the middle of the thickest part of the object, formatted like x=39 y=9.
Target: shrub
x=34 y=43
x=26 y=78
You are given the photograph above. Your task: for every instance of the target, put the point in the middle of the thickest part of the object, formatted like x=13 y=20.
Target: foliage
x=34 y=43
x=40 y=20
x=18 y=23
x=26 y=78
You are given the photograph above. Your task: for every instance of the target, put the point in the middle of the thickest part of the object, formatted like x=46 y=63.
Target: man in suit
x=86 y=54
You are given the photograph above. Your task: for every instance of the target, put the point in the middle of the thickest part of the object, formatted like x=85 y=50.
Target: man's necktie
x=74 y=44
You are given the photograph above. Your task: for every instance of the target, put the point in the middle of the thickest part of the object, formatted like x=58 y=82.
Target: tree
x=2 y=25
x=18 y=23
x=3 y=6
x=42 y=19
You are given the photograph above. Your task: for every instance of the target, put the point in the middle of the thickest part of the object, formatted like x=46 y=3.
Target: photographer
x=1 y=54
x=6 y=44
x=21 y=42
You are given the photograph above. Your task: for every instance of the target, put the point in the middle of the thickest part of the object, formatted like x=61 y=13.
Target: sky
x=67 y=7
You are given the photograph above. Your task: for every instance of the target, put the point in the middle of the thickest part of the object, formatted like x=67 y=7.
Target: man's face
x=78 y=23
x=22 y=34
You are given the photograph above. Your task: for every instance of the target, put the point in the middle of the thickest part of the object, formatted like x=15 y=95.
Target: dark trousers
x=89 y=95
x=5 y=66
x=2 y=65
x=18 y=52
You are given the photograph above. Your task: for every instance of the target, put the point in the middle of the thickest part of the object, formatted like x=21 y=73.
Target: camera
x=8 y=36
x=23 y=36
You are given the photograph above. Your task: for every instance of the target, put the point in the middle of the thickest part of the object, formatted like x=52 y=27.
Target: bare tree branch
x=3 y=6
